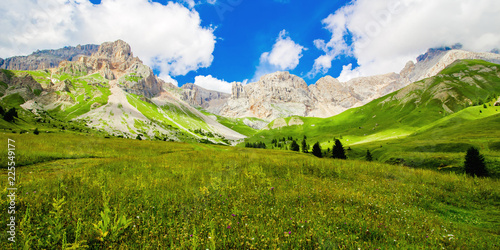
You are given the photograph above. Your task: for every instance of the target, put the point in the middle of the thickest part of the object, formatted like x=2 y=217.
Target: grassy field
x=87 y=191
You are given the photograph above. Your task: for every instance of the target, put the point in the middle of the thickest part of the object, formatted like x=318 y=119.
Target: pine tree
x=317 y=150
x=338 y=151
x=474 y=163
x=304 y=145
x=295 y=146
x=36 y=132
x=369 y=156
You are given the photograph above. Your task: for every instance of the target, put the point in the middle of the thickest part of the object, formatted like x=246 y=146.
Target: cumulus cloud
x=212 y=83
x=285 y=55
x=168 y=37
x=383 y=35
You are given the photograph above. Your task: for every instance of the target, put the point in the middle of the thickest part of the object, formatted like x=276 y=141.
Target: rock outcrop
x=24 y=85
x=197 y=96
x=45 y=59
x=280 y=94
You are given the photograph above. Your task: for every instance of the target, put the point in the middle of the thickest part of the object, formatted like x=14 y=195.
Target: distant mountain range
x=110 y=90
x=46 y=59
x=282 y=95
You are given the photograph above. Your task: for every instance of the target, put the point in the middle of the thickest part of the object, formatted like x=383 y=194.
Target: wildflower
x=272 y=188
x=191 y=235
x=137 y=217
x=228 y=227
x=34 y=192
x=233 y=215
x=289 y=232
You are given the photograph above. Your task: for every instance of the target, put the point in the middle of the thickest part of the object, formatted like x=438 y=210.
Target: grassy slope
x=199 y=196
x=235 y=124
x=413 y=111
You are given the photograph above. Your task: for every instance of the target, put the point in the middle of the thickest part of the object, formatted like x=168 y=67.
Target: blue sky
x=216 y=42
x=251 y=28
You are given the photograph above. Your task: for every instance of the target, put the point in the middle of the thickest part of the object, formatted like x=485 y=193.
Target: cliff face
x=115 y=61
x=212 y=101
x=45 y=59
x=281 y=94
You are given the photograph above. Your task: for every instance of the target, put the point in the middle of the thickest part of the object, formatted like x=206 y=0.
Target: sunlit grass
x=182 y=196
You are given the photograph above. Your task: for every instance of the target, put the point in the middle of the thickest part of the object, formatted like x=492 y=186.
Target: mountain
x=281 y=94
x=427 y=123
x=45 y=59
x=114 y=92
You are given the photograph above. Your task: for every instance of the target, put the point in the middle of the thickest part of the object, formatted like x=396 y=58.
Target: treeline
x=255 y=145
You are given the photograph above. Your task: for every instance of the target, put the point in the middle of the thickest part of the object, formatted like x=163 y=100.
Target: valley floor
x=88 y=191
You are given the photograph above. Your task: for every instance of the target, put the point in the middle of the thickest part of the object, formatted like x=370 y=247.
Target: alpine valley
x=175 y=162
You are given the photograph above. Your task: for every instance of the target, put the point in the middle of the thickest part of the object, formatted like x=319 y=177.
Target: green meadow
x=78 y=191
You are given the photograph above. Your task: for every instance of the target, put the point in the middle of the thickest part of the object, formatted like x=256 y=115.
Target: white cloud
x=388 y=33
x=168 y=79
x=167 y=37
x=211 y=83
x=285 y=55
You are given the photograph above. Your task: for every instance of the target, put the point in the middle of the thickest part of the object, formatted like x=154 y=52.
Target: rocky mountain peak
x=282 y=79
x=117 y=51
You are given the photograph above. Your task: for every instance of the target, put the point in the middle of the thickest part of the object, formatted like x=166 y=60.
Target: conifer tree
x=474 y=163
x=338 y=151
x=369 y=156
x=317 y=150
x=304 y=145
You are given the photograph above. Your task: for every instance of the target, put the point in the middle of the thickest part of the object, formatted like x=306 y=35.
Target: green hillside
x=80 y=93
x=443 y=108
x=180 y=196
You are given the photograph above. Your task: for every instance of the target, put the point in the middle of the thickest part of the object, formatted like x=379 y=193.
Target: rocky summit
x=281 y=94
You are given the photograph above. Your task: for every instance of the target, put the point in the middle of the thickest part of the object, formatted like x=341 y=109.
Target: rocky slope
x=113 y=91
x=210 y=100
x=281 y=94
x=45 y=59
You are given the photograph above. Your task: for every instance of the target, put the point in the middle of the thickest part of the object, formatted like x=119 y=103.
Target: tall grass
x=180 y=196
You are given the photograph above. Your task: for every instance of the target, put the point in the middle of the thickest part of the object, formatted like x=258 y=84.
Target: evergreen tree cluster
x=255 y=145
x=295 y=146
x=8 y=115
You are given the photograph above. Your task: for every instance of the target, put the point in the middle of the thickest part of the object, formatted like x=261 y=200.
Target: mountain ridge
x=328 y=96
x=45 y=59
